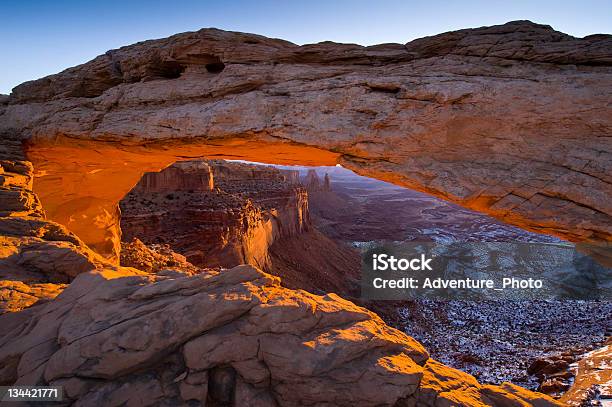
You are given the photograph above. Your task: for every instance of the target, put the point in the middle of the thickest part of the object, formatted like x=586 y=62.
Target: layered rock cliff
x=37 y=257
x=216 y=213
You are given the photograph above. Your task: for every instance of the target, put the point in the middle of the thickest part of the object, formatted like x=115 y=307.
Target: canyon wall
x=194 y=176
x=512 y=120
x=215 y=213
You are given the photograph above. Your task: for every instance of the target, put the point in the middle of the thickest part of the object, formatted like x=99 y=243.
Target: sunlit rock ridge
x=216 y=213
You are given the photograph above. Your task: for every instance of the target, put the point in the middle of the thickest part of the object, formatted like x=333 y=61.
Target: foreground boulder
x=235 y=337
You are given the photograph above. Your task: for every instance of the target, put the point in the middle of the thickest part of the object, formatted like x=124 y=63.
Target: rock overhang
x=510 y=120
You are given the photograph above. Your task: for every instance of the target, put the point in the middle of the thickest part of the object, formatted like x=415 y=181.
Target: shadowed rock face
x=511 y=120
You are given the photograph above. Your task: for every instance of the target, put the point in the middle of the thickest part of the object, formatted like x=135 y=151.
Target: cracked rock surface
x=231 y=336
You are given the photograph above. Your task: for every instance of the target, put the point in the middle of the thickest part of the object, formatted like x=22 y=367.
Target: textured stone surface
x=232 y=337
x=224 y=220
x=16 y=295
x=593 y=378
x=119 y=336
x=154 y=258
x=512 y=120
x=37 y=256
x=16 y=197
x=183 y=176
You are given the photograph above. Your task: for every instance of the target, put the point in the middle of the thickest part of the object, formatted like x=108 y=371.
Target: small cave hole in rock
x=168 y=70
x=215 y=67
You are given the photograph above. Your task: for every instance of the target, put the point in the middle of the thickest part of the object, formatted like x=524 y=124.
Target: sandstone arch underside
x=514 y=120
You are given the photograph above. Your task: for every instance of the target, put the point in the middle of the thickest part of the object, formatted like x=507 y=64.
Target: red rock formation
x=511 y=120
x=211 y=338
x=234 y=336
x=154 y=259
x=249 y=208
x=180 y=177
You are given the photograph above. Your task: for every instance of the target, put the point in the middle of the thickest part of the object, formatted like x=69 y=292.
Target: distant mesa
x=216 y=213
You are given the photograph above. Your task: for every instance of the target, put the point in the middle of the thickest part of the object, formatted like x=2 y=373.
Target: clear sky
x=44 y=37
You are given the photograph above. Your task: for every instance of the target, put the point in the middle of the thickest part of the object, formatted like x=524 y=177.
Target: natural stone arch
x=441 y=114
x=508 y=120
x=80 y=183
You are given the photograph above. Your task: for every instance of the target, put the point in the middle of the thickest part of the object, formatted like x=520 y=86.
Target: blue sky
x=44 y=37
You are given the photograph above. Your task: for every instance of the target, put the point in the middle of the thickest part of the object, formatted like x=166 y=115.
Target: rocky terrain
x=511 y=120
x=121 y=336
x=593 y=378
x=358 y=209
x=155 y=258
x=215 y=213
x=118 y=336
x=531 y=343
x=221 y=214
x=37 y=257
x=230 y=338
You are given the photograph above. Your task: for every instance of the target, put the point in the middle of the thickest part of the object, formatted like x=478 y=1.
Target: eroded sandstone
x=120 y=336
x=216 y=213
x=37 y=257
x=511 y=120
x=233 y=336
